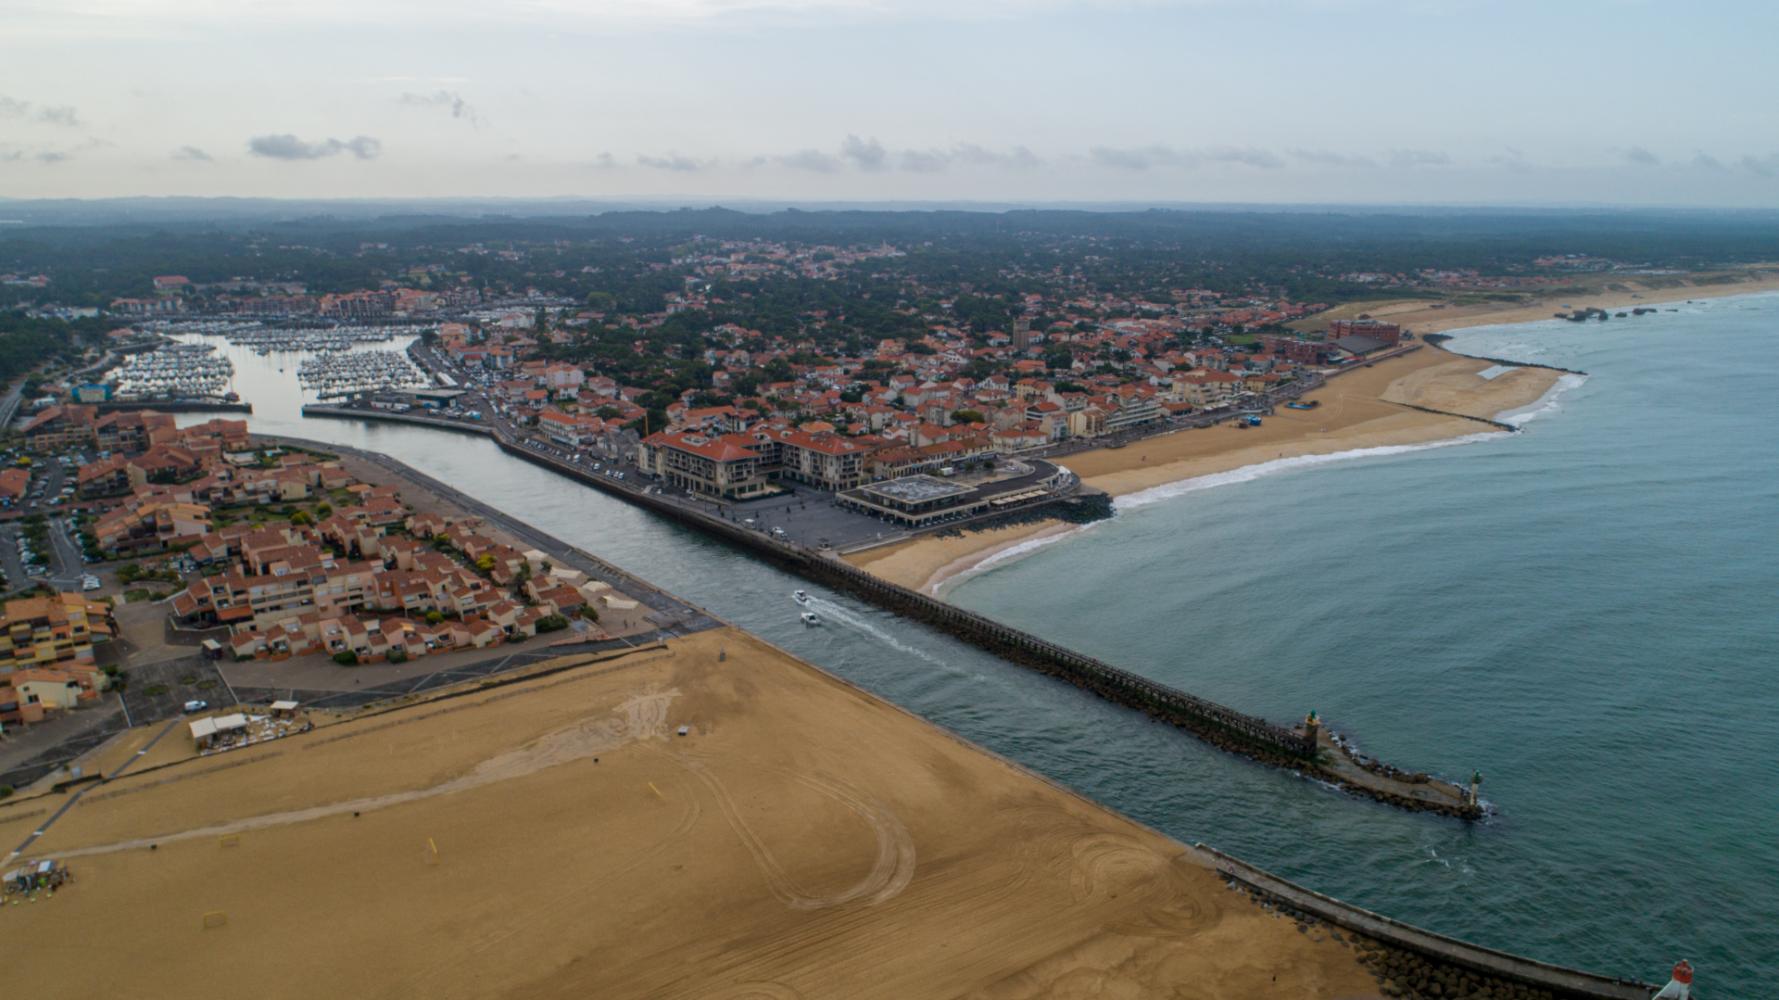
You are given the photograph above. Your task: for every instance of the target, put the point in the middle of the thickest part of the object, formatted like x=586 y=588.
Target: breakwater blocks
x=1295 y=749
x=1250 y=736
x=1415 y=963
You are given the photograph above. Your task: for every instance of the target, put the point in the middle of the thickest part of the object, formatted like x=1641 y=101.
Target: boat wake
x=839 y=614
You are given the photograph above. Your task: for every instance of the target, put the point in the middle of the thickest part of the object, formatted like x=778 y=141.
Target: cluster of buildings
x=48 y=659
x=378 y=582
x=175 y=293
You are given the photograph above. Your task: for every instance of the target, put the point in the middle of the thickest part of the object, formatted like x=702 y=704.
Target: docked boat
x=809 y=618
x=800 y=596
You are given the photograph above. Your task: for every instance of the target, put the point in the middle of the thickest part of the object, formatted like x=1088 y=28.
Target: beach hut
x=285 y=709
x=205 y=732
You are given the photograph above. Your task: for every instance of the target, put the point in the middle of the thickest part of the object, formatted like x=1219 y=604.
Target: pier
x=1306 y=748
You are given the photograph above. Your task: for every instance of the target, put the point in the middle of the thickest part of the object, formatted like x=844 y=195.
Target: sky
x=1554 y=102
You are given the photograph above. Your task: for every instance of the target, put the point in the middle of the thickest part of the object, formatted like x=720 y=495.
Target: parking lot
x=160 y=690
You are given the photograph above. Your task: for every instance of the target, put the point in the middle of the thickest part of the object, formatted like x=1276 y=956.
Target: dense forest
x=623 y=254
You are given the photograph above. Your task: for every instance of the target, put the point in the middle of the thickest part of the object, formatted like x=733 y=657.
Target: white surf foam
x=1010 y=554
x=1249 y=473
x=1547 y=403
x=1167 y=491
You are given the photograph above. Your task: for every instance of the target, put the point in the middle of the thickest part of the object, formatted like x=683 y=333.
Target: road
x=66 y=563
x=9 y=404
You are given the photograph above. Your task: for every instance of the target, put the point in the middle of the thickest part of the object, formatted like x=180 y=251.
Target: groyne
x=1303 y=750
x=1439 y=340
x=1497 y=424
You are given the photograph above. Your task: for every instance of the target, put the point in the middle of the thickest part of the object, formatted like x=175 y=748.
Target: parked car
x=196 y=706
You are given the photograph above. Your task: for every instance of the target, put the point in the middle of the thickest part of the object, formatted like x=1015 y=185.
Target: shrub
x=398 y=656
x=434 y=617
x=155 y=689
x=346 y=658
x=551 y=623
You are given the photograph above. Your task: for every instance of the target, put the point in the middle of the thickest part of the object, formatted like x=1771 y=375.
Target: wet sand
x=1358 y=410
x=556 y=838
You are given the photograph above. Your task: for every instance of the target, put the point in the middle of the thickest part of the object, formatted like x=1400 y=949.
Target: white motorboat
x=800 y=596
x=809 y=618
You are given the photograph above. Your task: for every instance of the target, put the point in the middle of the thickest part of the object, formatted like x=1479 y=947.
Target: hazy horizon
x=1602 y=103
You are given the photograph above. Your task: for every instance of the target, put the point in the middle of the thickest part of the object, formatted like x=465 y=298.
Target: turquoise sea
x=1587 y=612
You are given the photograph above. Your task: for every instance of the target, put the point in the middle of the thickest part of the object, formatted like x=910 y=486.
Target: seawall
x=175 y=406
x=1424 y=947
x=389 y=416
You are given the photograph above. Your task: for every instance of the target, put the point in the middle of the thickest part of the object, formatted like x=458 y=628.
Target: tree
x=485 y=562
x=968 y=416
x=434 y=616
x=301 y=518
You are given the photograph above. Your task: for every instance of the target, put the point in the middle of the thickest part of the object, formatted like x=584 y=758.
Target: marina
x=174 y=372
x=265 y=339
x=338 y=374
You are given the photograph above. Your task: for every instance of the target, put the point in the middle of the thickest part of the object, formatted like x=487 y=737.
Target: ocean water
x=1587 y=612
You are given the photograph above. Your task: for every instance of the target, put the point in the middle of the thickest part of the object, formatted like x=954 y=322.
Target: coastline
x=1428 y=316
x=1357 y=419
x=1363 y=412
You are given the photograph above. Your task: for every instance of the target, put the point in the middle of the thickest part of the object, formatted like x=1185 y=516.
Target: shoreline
x=1426 y=316
x=1446 y=403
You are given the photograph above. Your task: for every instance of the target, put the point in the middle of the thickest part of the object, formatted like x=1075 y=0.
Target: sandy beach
x=1359 y=409
x=555 y=837
x=1598 y=291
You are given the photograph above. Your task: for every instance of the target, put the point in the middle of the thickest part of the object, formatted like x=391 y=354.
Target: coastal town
x=888 y=500
x=192 y=589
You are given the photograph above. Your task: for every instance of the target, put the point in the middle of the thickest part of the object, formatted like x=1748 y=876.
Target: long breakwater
x=1300 y=749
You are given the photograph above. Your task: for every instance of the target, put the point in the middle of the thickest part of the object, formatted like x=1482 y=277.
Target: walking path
x=125 y=766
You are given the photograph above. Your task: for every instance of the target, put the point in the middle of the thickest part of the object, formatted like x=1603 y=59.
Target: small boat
x=809 y=618
x=800 y=596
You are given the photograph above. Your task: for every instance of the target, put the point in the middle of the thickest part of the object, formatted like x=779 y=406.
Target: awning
x=284 y=706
